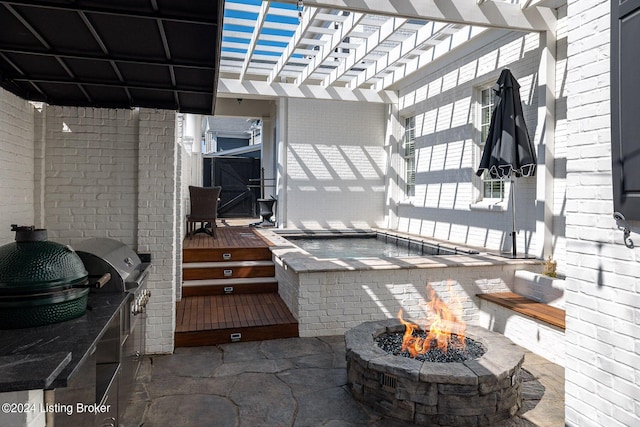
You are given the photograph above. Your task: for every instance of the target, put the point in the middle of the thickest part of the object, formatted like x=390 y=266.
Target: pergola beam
x=231 y=88
x=257 y=29
x=468 y=12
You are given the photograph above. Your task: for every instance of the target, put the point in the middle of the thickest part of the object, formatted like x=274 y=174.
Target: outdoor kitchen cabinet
x=94 y=384
x=108 y=371
x=132 y=348
x=81 y=388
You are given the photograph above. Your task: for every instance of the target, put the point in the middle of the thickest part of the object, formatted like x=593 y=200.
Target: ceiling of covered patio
x=114 y=54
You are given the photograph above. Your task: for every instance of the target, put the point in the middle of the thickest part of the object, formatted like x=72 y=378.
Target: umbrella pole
x=513 y=218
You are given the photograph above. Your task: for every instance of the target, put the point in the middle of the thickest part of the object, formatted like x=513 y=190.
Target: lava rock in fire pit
x=391 y=342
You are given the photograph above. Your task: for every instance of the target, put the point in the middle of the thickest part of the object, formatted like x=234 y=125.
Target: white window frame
x=408 y=154
x=492 y=193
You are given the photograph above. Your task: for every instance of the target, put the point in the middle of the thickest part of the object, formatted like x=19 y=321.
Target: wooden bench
x=528 y=307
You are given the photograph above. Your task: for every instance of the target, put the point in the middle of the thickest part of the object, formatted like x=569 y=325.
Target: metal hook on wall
x=627 y=231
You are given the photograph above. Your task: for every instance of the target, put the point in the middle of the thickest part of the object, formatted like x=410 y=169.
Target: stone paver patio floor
x=290 y=382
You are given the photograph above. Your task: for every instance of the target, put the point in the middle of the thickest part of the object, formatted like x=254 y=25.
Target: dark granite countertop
x=58 y=348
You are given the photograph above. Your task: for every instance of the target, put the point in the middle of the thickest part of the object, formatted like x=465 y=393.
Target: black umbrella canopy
x=508 y=150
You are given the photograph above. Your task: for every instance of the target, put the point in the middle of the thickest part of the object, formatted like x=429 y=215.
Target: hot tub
x=369 y=245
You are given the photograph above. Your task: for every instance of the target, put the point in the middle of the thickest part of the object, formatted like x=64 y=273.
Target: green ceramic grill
x=41 y=282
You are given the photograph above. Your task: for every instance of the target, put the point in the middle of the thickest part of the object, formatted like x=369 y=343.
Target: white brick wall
x=90 y=174
x=335 y=164
x=16 y=164
x=603 y=285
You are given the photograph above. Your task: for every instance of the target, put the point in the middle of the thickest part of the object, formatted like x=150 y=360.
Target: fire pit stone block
x=474 y=393
x=448 y=373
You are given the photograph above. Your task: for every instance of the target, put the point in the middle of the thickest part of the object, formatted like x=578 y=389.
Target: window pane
x=487 y=96
x=492 y=188
x=409 y=155
x=409 y=149
x=485 y=113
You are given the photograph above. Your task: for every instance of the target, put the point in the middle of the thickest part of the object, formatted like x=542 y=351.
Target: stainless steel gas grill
x=115 y=360
x=128 y=271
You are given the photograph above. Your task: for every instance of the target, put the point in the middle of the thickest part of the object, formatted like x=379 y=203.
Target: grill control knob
x=136 y=308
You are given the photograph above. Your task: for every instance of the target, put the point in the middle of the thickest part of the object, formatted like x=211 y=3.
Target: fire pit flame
x=444 y=322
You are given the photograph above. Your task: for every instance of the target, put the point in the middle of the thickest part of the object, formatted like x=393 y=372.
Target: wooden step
x=228 y=270
x=218 y=319
x=252 y=285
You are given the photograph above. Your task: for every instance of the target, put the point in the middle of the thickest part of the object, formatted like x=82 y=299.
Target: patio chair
x=204 y=209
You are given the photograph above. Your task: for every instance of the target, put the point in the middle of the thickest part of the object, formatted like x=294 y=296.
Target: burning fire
x=443 y=322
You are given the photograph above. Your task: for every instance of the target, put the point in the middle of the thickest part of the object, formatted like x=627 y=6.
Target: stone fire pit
x=476 y=392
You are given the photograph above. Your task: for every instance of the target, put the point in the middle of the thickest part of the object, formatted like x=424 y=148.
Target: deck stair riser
x=226 y=254
x=230 y=335
x=252 y=285
x=229 y=270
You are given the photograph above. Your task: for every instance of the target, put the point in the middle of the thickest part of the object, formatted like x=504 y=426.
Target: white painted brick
x=102 y=179
x=335 y=153
x=341 y=302
x=17 y=157
x=601 y=304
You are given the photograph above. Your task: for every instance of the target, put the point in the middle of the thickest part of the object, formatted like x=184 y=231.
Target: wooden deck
x=229 y=291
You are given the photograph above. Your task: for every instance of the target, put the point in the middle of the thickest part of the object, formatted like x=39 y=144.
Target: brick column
x=158 y=223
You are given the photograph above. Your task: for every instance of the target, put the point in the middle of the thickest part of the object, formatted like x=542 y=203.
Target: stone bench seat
x=528 y=307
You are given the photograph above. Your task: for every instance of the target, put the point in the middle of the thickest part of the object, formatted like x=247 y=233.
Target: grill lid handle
x=102 y=281
x=29 y=233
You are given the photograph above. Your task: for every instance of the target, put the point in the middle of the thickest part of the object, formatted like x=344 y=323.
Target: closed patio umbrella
x=508 y=150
